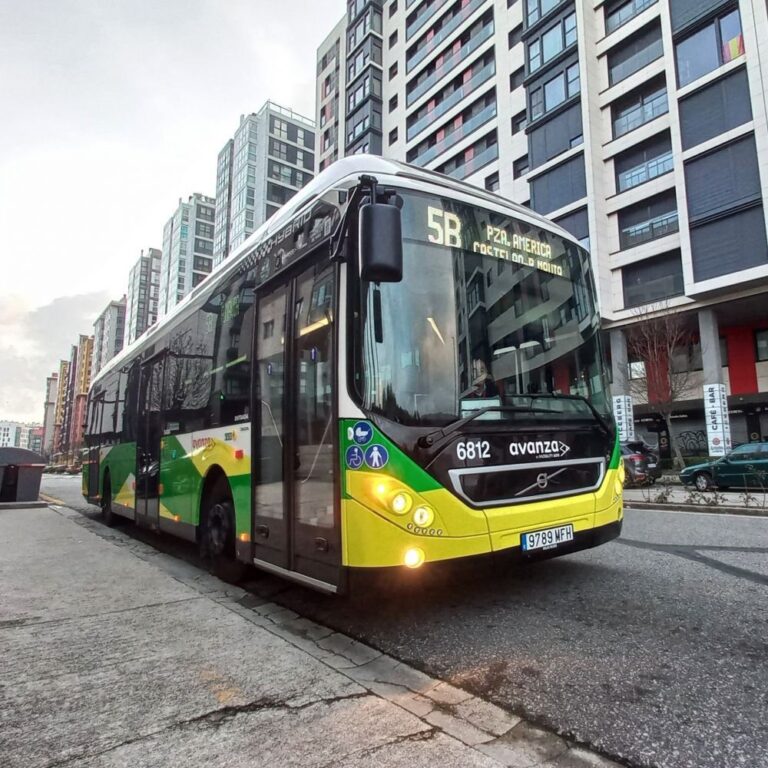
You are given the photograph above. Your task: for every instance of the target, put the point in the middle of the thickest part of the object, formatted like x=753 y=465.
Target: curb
x=703 y=508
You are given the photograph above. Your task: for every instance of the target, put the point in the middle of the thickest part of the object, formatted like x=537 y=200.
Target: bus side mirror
x=381 y=243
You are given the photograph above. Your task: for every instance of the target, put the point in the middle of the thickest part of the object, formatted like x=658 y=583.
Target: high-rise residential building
x=10 y=434
x=108 y=334
x=641 y=126
x=223 y=202
x=141 y=303
x=187 y=256
x=49 y=413
x=36 y=438
x=330 y=95
x=81 y=384
x=271 y=157
x=60 y=408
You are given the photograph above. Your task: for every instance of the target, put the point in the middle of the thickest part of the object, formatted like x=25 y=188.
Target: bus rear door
x=296 y=515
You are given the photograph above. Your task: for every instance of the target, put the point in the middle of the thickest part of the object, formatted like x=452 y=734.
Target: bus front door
x=296 y=516
x=148 y=443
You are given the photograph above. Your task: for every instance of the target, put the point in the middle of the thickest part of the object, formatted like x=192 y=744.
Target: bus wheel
x=217 y=537
x=107 y=513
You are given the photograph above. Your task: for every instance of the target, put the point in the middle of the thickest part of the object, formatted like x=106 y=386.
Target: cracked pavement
x=114 y=654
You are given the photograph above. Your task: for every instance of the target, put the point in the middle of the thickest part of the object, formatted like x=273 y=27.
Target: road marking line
x=52 y=499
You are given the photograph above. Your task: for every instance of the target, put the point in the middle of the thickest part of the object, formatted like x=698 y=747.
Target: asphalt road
x=652 y=649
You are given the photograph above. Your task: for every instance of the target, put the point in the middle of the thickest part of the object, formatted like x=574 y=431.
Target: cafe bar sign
x=625 y=420
x=718 y=424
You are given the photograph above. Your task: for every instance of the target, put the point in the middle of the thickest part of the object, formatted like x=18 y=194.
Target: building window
x=716 y=44
x=518 y=122
x=392 y=136
x=761 y=345
x=655 y=279
x=393 y=103
x=393 y=39
x=649 y=220
x=643 y=163
x=535 y=9
x=639 y=109
x=537 y=103
x=618 y=14
x=392 y=8
x=520 y=167
x=634 y=54
x=554 y=93
x=552 y=42
x=516 y=78
x=515 y=36
x=492 y=182
x=393 y=71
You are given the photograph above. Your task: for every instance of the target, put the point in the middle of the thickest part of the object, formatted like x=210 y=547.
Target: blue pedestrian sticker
x=354 y=457
x=376 y=456
x=362 y=432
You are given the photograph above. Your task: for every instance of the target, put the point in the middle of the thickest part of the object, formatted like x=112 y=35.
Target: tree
x=661 y=340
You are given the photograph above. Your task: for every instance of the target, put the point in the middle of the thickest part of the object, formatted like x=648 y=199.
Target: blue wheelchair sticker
x=354 y=457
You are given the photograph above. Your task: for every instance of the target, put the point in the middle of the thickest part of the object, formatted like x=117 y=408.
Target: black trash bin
x=20 y=474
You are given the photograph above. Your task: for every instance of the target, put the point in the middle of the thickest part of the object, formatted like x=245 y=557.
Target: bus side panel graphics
x=120 y=461
x=376 y=535
x=186 y=460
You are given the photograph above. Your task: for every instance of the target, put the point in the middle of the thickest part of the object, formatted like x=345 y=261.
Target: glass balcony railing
x=450 y=62
x=626 y=12
x=636 y=62
x=474 y=82
x=456 y=136
x=645 y=172
x=476 y=163
x=426 y=13
x=450 y=26
x=641 y=114
x=662 y=225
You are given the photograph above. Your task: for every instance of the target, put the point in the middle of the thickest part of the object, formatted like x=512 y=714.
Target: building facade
x=187 y=256
x=141 y=301
x=49 y=413
x=108 y=334
x=640 y=126
x=271 y=157
x=329 y=95
x=10 y=434
x=61 y=401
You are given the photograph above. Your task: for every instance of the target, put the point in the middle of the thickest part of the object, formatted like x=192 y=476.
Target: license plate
x=549 y=538
x=651 y=466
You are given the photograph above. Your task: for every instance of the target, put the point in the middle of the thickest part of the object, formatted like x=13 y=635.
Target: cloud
x=33 y=341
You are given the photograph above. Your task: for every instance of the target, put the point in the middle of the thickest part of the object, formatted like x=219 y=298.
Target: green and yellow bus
x=396 y=369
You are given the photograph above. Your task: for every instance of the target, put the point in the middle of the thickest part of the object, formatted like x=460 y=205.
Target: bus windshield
x=492 y=313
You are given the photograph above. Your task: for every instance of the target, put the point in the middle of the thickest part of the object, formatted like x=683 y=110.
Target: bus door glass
x=95 y=418
x=294 y=468
x=148 y=440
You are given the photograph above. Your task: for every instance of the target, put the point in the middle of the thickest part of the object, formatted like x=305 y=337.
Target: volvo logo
x=542 y=479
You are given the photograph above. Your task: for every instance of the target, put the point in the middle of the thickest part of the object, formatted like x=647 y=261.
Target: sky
x=110 y=111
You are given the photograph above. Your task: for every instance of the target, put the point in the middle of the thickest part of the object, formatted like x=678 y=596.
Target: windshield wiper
x=579 y=398
x=425 y=441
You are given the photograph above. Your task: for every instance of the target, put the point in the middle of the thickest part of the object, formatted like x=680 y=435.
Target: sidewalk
x=113 y=654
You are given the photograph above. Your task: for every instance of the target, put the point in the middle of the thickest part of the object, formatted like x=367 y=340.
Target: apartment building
x=141 y=302
x=187 y=255
x=108 y=334
x=270 y=157
x=640 y=126
x=49 y=412
x=330 y=95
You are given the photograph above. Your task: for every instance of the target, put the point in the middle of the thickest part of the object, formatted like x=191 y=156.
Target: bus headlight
x=413 y=557
x=423 y=516
x=400 y=503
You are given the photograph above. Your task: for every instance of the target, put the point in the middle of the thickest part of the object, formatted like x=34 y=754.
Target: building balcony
x=485 y=74
x=451 y=61
x=456 y=136
x=476 y=163
x=658 y=166
x=451 y=26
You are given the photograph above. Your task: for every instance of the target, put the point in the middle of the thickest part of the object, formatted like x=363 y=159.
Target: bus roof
x=351 y=167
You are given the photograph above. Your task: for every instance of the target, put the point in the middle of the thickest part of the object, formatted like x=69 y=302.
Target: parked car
x=635 y=466
x=653 y=465
x=744 y=467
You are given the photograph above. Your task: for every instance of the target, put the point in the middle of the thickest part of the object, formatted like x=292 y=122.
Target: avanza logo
x=203 y=442
x=553 y=449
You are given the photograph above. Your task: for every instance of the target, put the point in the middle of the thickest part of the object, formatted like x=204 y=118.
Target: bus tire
x=108 y=515
x=217 y=534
